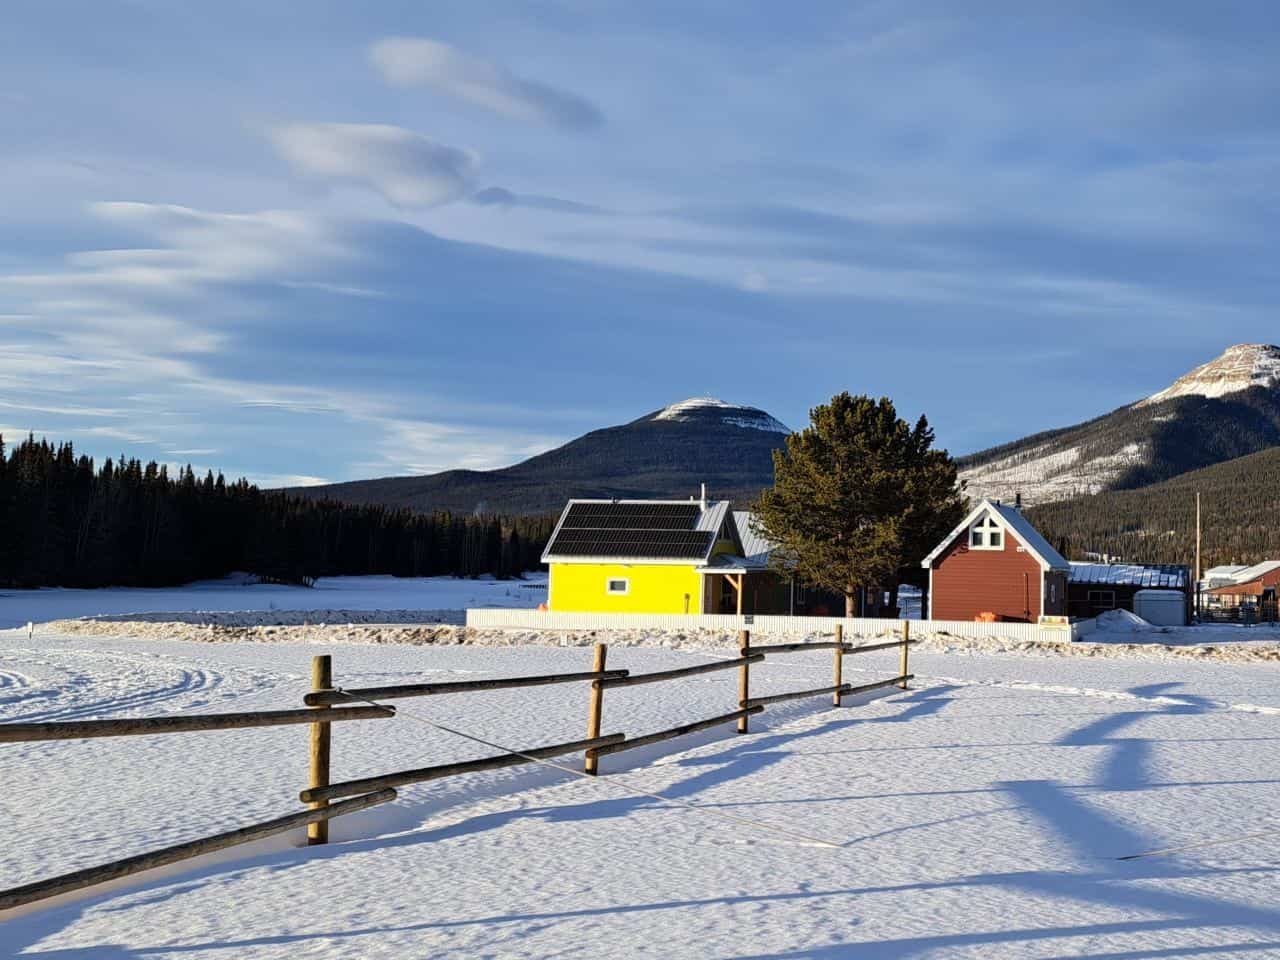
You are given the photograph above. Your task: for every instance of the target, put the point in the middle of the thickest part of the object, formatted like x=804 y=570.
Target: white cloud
x=418 y=62
x=410 y=170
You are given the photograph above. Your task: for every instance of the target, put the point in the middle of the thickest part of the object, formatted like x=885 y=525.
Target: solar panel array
x=649 y=544
x=632 y=516
x=642 y=530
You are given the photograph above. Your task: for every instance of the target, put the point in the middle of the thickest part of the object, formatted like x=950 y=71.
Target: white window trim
x=986 y=525
x=610 y=581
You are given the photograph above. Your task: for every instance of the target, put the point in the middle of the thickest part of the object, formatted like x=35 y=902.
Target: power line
x=613 y=780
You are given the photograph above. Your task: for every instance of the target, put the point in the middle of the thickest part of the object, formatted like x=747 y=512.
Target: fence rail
x=440 y=771
x=842 y=689
x=324 y=698
x=145 y=726
x=631 y=743
x=662 y=675
x=91 y=876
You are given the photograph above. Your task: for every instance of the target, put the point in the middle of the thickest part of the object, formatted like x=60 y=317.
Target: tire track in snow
x=119 y=682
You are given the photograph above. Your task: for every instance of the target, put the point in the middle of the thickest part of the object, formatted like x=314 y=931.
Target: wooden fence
x=326 y=705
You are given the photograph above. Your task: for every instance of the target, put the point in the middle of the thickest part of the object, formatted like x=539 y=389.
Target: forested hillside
x=1156 y=524
x=66 y=522
x=1131 y=447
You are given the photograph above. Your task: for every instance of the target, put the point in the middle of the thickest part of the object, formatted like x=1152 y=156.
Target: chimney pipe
x=704 y=496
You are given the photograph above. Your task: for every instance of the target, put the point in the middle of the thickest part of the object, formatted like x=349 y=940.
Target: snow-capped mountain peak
x=1240 y=367
x=700 y=408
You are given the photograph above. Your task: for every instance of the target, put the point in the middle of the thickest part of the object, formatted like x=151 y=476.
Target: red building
x=1257 y=584
x=996 y=563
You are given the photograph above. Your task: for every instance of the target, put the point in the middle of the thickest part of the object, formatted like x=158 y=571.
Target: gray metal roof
x=1164 y=575
x=1255 y=571
x=755 y=549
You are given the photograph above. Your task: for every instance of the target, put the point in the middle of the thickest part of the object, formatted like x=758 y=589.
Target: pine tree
x=855 y=495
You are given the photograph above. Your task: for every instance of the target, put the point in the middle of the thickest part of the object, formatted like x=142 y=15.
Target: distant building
x=1221 y=576
x=1248 y=585
x=995 y=563
x=664 y=556
x=1095 y=588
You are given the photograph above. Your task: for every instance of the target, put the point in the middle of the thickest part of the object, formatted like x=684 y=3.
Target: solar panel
x=632 y=516
x=649 y=544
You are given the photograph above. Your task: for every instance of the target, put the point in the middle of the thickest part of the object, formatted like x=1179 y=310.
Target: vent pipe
x=704 y=496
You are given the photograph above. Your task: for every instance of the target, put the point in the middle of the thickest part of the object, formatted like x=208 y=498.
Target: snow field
x=331 y=600
x=979 y=813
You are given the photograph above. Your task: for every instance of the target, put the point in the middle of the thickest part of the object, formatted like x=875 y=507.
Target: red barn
x=995 y=562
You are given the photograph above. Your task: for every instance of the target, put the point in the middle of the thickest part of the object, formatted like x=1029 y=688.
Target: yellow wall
x=653 y=588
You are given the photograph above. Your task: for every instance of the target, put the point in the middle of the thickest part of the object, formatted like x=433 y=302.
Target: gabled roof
x=1227 y=571
x=1166 y=575
x=636 y=531
x=755 y=548
x=1255 y=571
x=1018 y=526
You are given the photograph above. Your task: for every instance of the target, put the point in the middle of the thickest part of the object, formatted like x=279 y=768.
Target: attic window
x=986 y=534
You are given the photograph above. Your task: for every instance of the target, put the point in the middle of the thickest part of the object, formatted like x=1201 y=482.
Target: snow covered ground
x=387 y=595
x=977 y=815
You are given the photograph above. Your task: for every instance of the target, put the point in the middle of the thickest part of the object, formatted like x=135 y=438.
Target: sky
x=335 y=241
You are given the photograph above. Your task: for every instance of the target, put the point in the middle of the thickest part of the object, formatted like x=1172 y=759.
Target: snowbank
x=1121 y=621
x=433 y=628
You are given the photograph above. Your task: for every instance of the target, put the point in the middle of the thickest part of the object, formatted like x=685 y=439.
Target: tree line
x=66 y=521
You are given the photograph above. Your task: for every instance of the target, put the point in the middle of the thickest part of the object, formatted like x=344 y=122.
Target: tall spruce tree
x=857 y=494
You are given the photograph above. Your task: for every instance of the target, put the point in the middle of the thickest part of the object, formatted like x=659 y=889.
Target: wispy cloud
x=506 y=199
x=410 y=170
x=419 y=62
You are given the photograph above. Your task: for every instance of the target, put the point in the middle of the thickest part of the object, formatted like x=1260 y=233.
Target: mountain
x=1227 y=408
x=664 y=454
x=1240 y=500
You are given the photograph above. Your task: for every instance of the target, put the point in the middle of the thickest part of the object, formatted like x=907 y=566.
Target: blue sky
x=392 y=238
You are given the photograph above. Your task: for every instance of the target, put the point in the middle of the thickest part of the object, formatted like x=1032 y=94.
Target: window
x=617 y=587
x=986 y=534
x=1102 y=599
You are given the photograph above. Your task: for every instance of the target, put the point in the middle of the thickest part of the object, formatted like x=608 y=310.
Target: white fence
x=853 y=626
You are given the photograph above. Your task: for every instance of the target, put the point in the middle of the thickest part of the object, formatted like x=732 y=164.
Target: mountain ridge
x=666 y=453
x=1223 y=409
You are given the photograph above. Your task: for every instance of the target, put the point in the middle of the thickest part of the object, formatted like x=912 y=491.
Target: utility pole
x=1197 y=553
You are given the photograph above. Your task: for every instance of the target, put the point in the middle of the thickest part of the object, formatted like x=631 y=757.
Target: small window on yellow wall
x=617 y=587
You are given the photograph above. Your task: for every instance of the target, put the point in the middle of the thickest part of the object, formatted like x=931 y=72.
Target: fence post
x=321 y=679
x=906 y=645
x=594 y=718
x=744 y=677
x=839 y=665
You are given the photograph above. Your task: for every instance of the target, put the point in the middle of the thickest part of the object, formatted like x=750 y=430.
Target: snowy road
x=978 y=814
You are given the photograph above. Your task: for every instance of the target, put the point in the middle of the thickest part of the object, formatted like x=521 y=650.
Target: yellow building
x=658 y=556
